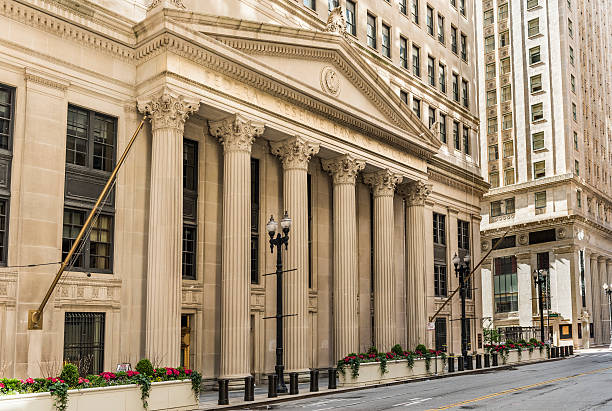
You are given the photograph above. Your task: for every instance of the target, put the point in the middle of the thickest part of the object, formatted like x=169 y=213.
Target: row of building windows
x=440 y=260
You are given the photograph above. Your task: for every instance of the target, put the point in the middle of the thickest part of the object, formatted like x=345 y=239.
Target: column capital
x=343 y=169
x=168 y=109
x=383 y=182
x=295 y=152
x=236 y=133
x=415 y=193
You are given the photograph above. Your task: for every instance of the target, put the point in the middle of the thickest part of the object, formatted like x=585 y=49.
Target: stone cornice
x=33 y=76
x=294 y=152
x=383 y=182
x=168 y=109
x=529 y=185
x=343 y=169
x=236 y=133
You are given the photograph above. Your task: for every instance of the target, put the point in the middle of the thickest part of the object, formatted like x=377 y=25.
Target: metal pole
x=280 y=368
x=539 y=282
x=609 y=292
x=463 y=328
x=35 y=316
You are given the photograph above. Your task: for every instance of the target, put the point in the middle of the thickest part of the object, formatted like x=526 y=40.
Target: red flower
x=1 y=385
x=188 y=371
x=29 y=381
x=62 y=381
x=175 y=371
x=131 y=373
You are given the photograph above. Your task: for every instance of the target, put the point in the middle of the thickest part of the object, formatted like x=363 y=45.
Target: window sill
x=535 y=36
x=538 y=7
x=540 y=150
x=537 y=93
x=536 y=64
x=540 y=121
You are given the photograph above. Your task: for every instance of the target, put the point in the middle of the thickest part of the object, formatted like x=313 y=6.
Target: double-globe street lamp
x=277 y=240
x=608 y=290
x=540 y=280
x=462 y=268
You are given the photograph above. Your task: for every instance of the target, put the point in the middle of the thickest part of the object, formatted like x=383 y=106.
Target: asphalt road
x=580 y=383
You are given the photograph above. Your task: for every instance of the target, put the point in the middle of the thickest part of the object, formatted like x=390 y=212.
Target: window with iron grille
x=7 y=112
x=441 y=339
x=95 y=251
x=84 y=341
x=90 y=139
x=254 y=221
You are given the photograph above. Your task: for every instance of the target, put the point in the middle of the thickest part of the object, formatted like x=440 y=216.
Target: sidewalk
x=208 y=399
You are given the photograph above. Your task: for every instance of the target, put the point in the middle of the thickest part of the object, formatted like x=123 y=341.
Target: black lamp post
x=461 y=269
x=540 y=280
x=608 y=290
x=278 y=241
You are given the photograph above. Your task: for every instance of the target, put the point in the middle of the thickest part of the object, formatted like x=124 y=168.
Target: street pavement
x=583 y=382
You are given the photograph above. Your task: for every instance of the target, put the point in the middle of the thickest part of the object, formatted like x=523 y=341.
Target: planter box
x=369 y=373
x=526 y=356
x=168 y=395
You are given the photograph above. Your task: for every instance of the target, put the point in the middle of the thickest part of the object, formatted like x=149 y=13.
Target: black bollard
x=478 y=361
x=293 y=384
x=553 y=352
x=249 y=388
x=494 y=359
x=563 y=351
x=223 y=395
x=314 y=380
x=331 y=384
x=460 y=363
x=272 y=379
x=451 y=364
x=571 y=350
x=487 y=360
x=468 y=364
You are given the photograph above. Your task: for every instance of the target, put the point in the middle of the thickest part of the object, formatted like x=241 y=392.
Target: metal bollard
x=249 y=388
x=566 y=349
x=314 y=380
x=571 y=350
x=563 y=351
x=487 y=360
x=459 y=363
x=331 y=384
x=553 y=352
x=451 y=364
x=468 y=364
x=494 y=359
x=293 y=384
x=223 y=394
x=272 y=381
x=478 y=361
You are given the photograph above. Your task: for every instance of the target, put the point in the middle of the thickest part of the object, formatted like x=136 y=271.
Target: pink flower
x=29 y=381
x=168 y=371
x=62 y=381
x=188 y=371
x=1 y=385
x=175 y=371
x=131 y=373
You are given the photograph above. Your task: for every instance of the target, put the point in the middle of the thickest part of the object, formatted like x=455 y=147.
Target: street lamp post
x=608 y=290
x=461 y=268
x=278 y=242
x=539 y=279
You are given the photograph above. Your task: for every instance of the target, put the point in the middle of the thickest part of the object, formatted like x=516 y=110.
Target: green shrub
x=70 y=374
x=533 y=340
x=145 y=367
x=421 y=348
x=397 y=349
x=373 y=350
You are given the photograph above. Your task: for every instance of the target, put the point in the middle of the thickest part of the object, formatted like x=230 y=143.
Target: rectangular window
x=507 y=121
x=402 y=6
x=332 y=4
x=494 y=179
x=462 y=7
x=570 y=28
x=463 y=47
x=440 y=280
x=443 y=128
x=430 y=22
x=454 y=39
x=509 y=176
x=540 y=200
x=493 y=152
x=578 y=198
x=504 y=39
x=310 y=4
x=574 y=114
x=491 y=98
x=431 y=71
x=441 y=35
x=492 y=125
x=539 y=169
x=415 y=11
x=310 y=220
x=536 y=83
x=505 y=65
x=95 y=250
x=416 y=106
x=506 y=93
x=456 y=87
x=489 y=43
x=573 y=83
x=404 y=52
x=442 y=77
x=534 y=55
x=466 y=94
x=84 y=341
x=488 y=17
x=416 y=61
x=577 y=167
x=386 y=41
x=509 y=205
x=463 y=244
x=371 y=31
x=505 y=284
x=439 y=229
x=533 y=27
x=190 y=193
x=503 y=12
x=404 y=96
x=7 y=112
x=575 y=141
x=441 y=338
x=189 y=252
x=537 y=112
x=432 y=117
x=508 y=149
x=571 y=55
x=538 y=140
x=490 y=71
x=456 y=141
x=532 y=3
x=351 y=26
x=255 y=207
x=466 y=140
x=496 y=209
x=566 y=331
x=90 y=139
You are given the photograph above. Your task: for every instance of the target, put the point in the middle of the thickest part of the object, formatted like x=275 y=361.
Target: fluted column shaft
x=596 y=301
x=415 y=195
x=344 y=171
x=168 y=113
x=604 y=325
x=383 y=187
x=295 y=154
x=236 y=135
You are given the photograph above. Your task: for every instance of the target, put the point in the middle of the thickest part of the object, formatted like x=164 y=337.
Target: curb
x=306 y=395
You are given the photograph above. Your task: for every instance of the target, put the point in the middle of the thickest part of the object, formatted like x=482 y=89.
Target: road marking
x=511 y=390
x=413 y=401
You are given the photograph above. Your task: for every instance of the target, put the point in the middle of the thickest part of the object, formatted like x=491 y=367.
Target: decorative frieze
x=77 y=289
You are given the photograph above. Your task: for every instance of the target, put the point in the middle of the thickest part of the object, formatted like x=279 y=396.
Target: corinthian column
x=383 y=187
x=295 y=154
x=236 y=134
x=415 y=194
x=595 y=297
x=344 y=170
x=168 y=112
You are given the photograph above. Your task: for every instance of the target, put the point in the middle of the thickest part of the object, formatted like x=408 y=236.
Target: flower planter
x=369 y=373
x=168 y=395
x=526 y=356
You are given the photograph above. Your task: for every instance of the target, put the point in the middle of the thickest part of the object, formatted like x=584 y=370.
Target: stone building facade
x=255 y=107
x=545 y=105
